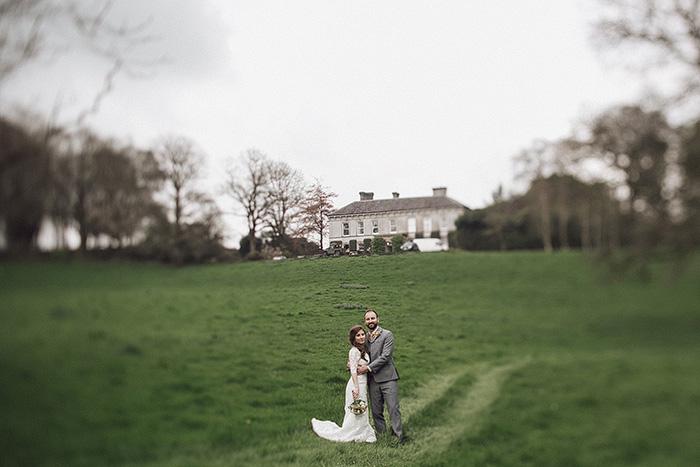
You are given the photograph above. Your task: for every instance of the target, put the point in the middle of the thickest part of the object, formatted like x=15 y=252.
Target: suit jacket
x=380 y=352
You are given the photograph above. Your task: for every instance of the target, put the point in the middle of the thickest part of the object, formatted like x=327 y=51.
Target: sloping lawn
x=505 y=359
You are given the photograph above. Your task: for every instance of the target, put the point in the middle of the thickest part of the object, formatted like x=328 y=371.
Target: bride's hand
x=355 y=393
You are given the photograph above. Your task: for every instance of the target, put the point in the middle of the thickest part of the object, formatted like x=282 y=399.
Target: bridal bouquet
x=358 y=407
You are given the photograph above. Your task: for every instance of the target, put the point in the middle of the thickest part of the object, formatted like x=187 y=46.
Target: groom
x=383 y=378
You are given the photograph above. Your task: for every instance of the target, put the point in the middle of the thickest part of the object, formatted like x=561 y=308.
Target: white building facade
x=422 y=217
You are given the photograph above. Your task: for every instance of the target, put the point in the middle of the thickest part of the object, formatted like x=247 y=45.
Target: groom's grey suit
x=383 y=382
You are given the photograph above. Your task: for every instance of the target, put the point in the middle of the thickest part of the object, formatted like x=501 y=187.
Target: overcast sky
x=364 y=95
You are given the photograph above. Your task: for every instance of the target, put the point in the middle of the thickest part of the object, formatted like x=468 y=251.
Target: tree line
x=629 y=180
x=632 y=182
x=148 y=203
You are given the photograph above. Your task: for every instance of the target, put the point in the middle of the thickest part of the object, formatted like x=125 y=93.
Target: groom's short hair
x=375 y=313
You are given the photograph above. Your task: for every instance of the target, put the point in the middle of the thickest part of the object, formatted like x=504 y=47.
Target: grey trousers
x=380 y=393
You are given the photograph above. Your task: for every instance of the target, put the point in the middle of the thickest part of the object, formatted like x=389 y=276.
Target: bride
x=355 y=427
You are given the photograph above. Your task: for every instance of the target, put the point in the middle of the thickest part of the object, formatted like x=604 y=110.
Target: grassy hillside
x=505 y=359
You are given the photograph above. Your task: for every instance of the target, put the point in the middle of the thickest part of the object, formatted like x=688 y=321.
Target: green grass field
x=517 y=359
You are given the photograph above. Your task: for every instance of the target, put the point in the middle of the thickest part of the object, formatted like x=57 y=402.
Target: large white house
x=423 y=217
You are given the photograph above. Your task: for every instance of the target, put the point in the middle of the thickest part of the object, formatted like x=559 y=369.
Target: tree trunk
x=585 y=220
x=563 y=231
x=546 y=222
x=501 y=239
x=80 y=219
x=251 y=241
x=178 y=210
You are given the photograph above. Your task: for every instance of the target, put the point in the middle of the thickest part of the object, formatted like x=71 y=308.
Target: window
x=411 y=226
x=346 y=228
x=392 y=226
x=427 y=226
x=360 y=228
x=375 y=227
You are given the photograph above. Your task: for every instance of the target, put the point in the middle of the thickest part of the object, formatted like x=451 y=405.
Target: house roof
x=396 y=204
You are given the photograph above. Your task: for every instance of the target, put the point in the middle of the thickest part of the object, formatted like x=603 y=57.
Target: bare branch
x=21 y=35
x=669 y=30
x=29 y=28
x=104 y=92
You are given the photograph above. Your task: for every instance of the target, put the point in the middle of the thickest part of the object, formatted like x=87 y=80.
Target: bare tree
x=317 y=206
x=635 y=144
x=247 y=183
x=535 y=164
x=25 y=163
x=498 y=215
x=181 y=162
x=286 y=195
x=122 y=197
x=102 y=188
x=86 y=145
x=61 y=197
x=669 y=30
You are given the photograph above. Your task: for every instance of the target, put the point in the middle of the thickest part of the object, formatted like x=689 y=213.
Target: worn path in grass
x=467 y=414
x=465 y=407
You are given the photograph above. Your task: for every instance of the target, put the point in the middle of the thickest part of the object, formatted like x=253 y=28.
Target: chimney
x=441 y=192
x=366 y=196
x=395 y=194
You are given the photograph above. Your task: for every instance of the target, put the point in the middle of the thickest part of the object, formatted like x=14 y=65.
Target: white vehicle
x=430 y=244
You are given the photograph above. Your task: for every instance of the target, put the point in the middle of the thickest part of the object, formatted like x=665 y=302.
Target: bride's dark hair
x=353 y=332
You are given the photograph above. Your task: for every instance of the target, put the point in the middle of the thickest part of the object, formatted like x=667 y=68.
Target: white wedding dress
x=355 y=427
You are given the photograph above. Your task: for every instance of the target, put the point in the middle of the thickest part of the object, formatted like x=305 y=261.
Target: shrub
x=396 y=242
x=378 y=245
x=254 y=256
x=296 y=246
x=244 y=247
